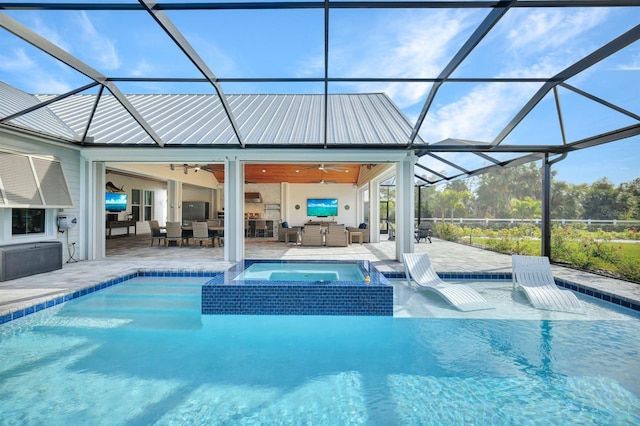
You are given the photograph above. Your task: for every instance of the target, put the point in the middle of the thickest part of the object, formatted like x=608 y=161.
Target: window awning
x=28 y=180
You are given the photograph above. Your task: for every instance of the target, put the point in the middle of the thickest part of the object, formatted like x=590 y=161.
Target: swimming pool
x=140 y=352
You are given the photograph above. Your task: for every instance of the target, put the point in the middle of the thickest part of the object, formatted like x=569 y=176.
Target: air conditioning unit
x=67 y=221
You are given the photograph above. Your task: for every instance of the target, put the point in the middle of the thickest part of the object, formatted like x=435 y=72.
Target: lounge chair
x=533 y=275
x=417 y=266
x=423 y=232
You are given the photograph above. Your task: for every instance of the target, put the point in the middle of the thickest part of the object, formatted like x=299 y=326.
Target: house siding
x=70 y=160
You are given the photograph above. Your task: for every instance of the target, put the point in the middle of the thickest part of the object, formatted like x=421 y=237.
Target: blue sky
x=370 y=43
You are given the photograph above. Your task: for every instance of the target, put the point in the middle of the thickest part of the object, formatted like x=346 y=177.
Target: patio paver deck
x=130 y=254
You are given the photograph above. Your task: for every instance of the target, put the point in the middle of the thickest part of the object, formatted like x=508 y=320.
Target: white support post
x=374 y=211
x=234 y=210
x=174 y=201
x=405 y=213
x=95 y=222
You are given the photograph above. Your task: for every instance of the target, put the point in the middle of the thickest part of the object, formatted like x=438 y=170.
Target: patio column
x=374 y=211
x=92 y=217
x=234 y=210
x=174 y=201
x=404 y=206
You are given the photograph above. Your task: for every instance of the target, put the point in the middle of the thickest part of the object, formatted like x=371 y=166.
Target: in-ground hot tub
x=281 y=287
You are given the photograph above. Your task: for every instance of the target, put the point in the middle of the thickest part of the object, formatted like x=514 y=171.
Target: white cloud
x=46 y=84
x=548 y=28
x=97 y=46
x=632 y=65
x=484 y=111
x=218 y=61
x=478 y=115
x=142 y=68
x=50 y=34
x=403 y=47
x=18 y=62
x=32 y=77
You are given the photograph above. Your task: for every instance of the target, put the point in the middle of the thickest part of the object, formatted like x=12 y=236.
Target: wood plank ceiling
x=295 y=173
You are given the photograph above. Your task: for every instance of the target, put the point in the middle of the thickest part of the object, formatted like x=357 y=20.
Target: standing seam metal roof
x=186 y=120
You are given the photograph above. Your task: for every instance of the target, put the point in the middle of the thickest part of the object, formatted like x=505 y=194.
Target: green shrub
x=572 y=244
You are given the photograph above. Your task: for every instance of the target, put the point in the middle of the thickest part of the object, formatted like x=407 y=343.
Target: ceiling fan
x=326 y=168
x=195 y=167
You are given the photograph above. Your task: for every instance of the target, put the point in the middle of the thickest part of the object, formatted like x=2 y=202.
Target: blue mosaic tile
x=223 y=296
x=5 y=318
x=40 y=306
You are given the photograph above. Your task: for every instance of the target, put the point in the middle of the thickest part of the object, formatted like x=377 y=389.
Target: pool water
x=295 y=271
x=140 y=353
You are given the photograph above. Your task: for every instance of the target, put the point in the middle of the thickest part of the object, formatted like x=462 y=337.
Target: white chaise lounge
x=417 y=266
x=533 y=275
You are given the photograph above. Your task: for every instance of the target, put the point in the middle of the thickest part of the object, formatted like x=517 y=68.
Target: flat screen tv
x=322 y=207
x=115 y=202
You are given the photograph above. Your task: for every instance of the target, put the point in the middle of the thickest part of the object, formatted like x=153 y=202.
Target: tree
x=427 y=201
x=451 y=200
x=496 y=189
x=526 y=209
x=566 y=200
x=629 y=199
x=601 y=201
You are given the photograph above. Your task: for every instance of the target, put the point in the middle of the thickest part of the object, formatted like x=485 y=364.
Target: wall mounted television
x=115 y=202
x=322 y=207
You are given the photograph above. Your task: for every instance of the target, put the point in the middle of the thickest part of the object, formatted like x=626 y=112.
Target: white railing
x=487 y=221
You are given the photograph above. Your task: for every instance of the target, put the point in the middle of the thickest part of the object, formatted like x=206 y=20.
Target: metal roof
x=40 y=120
x=264 y=120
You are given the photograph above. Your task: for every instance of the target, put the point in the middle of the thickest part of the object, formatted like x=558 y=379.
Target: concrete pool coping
x=446 y=256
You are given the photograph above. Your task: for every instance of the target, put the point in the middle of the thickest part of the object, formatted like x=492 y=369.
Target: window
x=27 y=221
x=135 y=205
x=141 y=205
x=148 y=205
